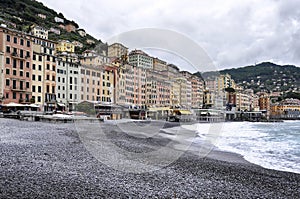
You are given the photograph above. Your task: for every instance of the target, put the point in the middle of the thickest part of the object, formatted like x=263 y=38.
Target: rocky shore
x=46 y=160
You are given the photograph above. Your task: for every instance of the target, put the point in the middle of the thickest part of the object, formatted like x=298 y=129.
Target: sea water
x=270 y=145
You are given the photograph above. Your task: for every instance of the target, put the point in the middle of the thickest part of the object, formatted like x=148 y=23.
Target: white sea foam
x=270 y=145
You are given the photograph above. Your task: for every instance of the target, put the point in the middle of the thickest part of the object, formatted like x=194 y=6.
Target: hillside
x=265 y=76
x=24 y=13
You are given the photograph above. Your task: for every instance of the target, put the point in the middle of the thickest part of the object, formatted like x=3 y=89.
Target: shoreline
x=49 y=160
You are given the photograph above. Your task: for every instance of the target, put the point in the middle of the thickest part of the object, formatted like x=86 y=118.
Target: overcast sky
x=233 y=33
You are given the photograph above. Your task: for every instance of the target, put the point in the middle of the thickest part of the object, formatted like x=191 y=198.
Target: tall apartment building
x=158 y=88
x=264 y=102
x=16 y=51
x=159 y=65
x=67 y=82
x=225 y=81
x=44 y=73
x=197 y=92
x=140 y=59
x=97 y=83
x=117 y=50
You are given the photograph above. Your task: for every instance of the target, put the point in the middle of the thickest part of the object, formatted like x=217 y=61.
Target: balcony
x=18 y=89
x=17 y=56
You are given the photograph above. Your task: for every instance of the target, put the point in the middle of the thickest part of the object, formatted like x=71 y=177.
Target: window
x=39 y=89
x=21 y=85
x=71 y=96
x=33 y=77
x=48 y=67
x=14 y=72
x=53 y=78
x=39 y=78
x=7 y=49
x=27 y=64
x=7 y=71
x=34 y=57
x=39 y=99
x=33 y=66
x=21 y=64
x=7 y=82
x=40 y=58
x=33 y=88
x=8 y=38
x=48 y=77
x=22 y=53
x=14 y=84
x=40 y=67
x=15 y=40
x=14 y=95
x=53 y=68
x=53 y=89
x=27 y=85
x=21 y=73
x=28 y=43
x=58 y=79
x=14 y=63
x=27 y=54
x=22 y=42
x=7 y=60
x=27 y=74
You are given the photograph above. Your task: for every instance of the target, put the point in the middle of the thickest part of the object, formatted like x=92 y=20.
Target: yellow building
x=289 y=108
x=65 y=46
x=225 y=81
x=44 y=73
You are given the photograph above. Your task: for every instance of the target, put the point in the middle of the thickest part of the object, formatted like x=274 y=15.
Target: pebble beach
x=49 y=160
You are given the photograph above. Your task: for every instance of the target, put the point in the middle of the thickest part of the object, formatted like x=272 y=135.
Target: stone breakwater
x=46 y=160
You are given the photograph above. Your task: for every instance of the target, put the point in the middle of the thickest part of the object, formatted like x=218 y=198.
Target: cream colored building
x=117 y=50
x=140 y=59
x=67 y=83
x=91 y=58
x=39 y=31
x=159 y=65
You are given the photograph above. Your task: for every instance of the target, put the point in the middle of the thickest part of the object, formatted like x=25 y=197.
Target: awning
x=61 y=104
x=159 y=109
x=185 y=112
x=12 y=104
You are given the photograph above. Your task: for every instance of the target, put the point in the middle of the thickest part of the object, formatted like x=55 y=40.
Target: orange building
x=17 y=51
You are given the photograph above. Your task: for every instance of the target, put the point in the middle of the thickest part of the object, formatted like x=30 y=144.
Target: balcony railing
x=17 y=56
x=18 y=89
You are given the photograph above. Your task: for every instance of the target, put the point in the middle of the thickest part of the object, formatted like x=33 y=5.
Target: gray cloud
x=233 y=33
